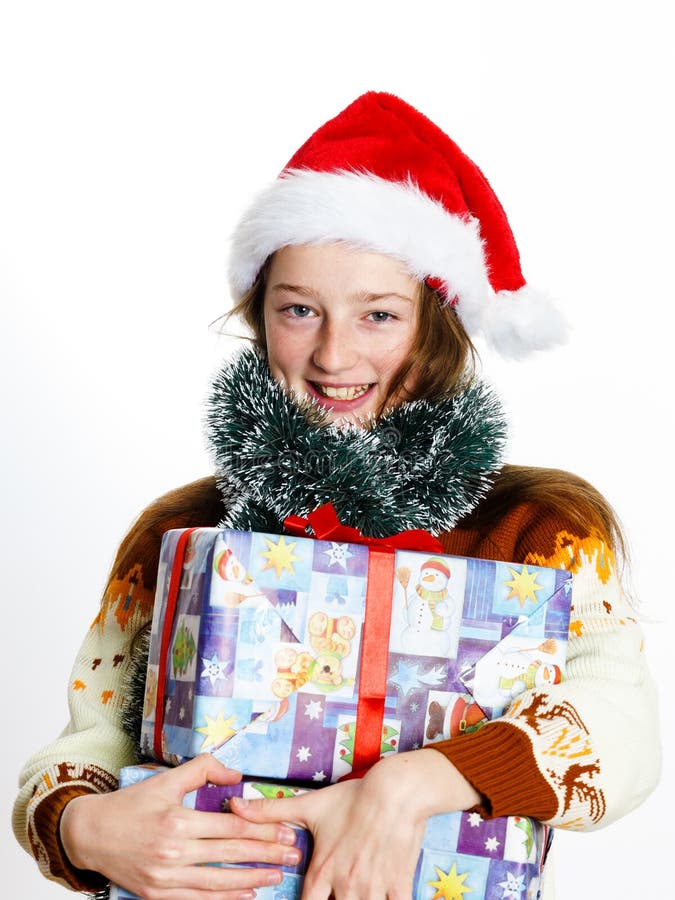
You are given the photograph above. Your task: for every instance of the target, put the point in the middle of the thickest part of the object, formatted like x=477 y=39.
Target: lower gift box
x=462 y=854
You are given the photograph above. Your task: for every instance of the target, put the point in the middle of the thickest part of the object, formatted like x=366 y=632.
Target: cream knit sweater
x=577 y=755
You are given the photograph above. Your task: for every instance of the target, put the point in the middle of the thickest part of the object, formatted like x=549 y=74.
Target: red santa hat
x=382 y=177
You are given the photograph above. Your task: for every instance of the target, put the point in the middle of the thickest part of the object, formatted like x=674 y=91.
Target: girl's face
x=339 y=323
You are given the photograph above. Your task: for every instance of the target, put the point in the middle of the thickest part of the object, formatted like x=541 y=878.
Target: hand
x=144 y=839
x=368 y=832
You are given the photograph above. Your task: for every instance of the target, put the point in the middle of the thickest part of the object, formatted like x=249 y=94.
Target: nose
x=336 y=349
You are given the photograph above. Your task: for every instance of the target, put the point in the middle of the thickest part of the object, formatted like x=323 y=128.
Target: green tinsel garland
x=423 y=465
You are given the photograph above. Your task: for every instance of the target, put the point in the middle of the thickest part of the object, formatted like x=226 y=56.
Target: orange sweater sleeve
x=584 y=752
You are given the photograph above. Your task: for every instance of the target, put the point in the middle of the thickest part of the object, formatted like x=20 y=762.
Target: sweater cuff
x=46 y=818
x=499 y=762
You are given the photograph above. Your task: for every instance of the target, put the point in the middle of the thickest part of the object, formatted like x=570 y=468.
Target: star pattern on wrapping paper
x=450 y=885
x=523 y=585
x=217 y=731
x=303 y=754
x=214 y=669
x=513 y=887
x=492 y=844
x=280 y=556
x=475 y=819
x=407 y=677
x=319 y=776
x=313 y=709
x=338 y=554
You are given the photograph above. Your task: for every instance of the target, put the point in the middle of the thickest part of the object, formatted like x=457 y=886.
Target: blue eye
x=299 y=311
x=381 y=316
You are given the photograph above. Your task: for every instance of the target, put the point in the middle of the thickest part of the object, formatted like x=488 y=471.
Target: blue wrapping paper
x=264 y=663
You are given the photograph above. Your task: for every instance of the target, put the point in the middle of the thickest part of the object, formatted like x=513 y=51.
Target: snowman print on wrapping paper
x=517 y=664
x=429 y=603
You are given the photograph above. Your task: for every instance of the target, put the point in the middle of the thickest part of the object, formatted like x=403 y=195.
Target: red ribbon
x=374 y=659
x=326 y=526
x=169 y=614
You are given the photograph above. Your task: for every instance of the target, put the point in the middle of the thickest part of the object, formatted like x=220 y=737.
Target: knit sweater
x=578 y=755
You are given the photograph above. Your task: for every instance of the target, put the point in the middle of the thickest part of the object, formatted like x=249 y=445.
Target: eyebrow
x=359 y=297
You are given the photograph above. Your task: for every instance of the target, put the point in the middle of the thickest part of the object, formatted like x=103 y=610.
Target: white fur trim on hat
x=397 y=219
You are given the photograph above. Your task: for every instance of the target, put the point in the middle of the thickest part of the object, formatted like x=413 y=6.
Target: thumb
x=195 y=773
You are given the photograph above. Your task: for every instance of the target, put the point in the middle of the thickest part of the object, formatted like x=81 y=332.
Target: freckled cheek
x=390 y=358
x=385 y=366
x=285 y=361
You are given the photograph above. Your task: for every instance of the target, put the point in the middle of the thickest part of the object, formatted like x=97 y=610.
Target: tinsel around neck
x=424 y=464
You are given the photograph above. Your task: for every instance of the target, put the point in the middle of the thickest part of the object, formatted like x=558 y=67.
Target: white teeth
x=342 y=393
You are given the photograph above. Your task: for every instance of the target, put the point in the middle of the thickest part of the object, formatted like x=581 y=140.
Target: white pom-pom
x=515 y=323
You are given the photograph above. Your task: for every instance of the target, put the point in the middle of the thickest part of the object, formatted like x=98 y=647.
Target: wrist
x=75 y=823
x=450 y=784
x=422 y=782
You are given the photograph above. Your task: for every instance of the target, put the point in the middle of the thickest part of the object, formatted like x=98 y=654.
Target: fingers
x=363 y=882
x=291 y=809
x=229 y=839
x=236 y=850
x=213 y=878
x=180 y=894
x=186 y=837
x=196 y=772
x=316 y=887
x=206 y=825
x=200 y=882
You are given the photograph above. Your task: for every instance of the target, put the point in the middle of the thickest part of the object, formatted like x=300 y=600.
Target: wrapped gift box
x=461 y=853
x=296 y=658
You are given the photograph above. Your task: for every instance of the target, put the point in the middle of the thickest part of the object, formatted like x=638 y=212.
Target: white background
x=131 y=136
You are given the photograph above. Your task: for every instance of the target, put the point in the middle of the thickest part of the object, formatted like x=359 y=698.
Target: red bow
x=326 y=526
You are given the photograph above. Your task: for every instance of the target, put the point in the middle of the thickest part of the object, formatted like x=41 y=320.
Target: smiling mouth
x=353 y=392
